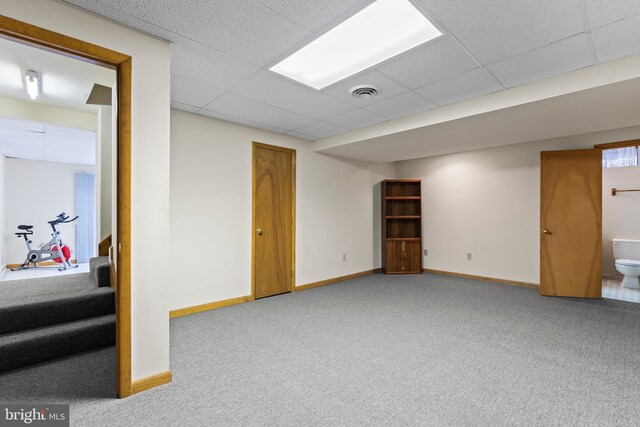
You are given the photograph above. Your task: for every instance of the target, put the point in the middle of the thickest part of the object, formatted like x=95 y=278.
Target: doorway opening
x=119 y=266
x=620 y=225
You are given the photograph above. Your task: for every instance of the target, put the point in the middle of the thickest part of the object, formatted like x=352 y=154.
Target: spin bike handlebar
x=63 y=218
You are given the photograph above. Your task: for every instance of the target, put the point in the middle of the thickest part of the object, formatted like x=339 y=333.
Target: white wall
x=45 y=113
x=620 y=214
x=150 y=166
x=37 y=191
x=3 y=166
x=337 y=210
x=487 y=202
x=105 y=166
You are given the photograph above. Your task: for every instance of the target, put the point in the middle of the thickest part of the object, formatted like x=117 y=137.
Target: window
x=620 y=157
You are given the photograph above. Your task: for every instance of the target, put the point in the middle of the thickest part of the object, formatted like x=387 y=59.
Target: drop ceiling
x=222 y=50
x=65 y=82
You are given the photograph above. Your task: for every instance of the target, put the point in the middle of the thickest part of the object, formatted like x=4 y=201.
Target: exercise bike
x=54 y=250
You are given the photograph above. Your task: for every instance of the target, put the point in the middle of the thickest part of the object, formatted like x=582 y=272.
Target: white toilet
x=627 y=255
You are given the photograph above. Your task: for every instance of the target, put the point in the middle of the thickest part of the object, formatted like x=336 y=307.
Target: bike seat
x=25 y=227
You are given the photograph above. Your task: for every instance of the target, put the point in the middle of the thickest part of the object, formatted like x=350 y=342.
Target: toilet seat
x=628 y=262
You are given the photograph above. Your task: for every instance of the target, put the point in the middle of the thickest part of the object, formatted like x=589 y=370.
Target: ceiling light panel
x=383 y=30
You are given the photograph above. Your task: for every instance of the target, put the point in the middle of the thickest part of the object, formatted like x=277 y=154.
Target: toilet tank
x=626 y=249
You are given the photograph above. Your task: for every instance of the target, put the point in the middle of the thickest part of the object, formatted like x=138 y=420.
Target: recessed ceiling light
x=382 y=30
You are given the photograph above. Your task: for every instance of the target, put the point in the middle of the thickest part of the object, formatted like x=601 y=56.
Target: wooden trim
x=209 y=306
x=293 y=220
x=273 y=147
x=123 y=234
x=619 y=144
x=253 y=211
x=74 y=48
x=336 y=280
x=43 y=264
x=253 y=219
x=483 y=278
x=25 y=33
x=112 y=272
x=104 y=245
x=144 y=384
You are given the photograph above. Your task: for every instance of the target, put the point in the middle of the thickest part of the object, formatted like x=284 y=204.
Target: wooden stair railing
x=103 y=247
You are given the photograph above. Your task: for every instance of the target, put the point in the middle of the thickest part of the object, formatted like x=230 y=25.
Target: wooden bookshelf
x=402 y=226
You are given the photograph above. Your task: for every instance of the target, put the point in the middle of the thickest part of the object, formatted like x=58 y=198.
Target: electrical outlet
x=426 y=252
x=469 y=256
x=344 y=257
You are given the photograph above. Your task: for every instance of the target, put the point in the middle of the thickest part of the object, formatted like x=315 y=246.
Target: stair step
x=53 y=309
x=100 y=270
x=38 y=345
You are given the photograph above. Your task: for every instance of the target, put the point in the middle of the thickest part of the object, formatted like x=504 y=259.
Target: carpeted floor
x=381 y=350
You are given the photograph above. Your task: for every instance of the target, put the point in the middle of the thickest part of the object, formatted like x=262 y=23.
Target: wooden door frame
x=253 y=212
x=41 y=38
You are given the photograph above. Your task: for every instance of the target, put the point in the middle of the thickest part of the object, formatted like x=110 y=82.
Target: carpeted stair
x=43 y=319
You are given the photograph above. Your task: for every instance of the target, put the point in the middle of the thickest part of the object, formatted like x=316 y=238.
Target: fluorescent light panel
x=382 y=30
x=31 y=78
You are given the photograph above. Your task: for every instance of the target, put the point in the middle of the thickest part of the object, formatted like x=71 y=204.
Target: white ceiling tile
x=356 y=119
x=245 y=29
x=317 y=15
x=321 y=130
x=436 y=60
x=497 y=29
x=401 y=105
x=302 y=135
x=388 y=88
x=184 y=107
x=241 y=121
x=602 y=12
x=464 y=86
x=188 y=92
x=101 y=8
x=616 y=40
x=551 y=60
x=273 y=89
x=205 y=65
x=237 y=106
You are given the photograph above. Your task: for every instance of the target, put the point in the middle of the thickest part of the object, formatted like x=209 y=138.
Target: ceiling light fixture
x=380 y=31
x=31 y=77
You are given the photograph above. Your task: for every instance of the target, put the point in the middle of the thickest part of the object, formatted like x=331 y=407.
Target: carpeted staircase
x=43 y=319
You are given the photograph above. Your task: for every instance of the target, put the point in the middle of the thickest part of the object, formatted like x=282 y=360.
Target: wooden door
x=571 y=223
x=273 y=220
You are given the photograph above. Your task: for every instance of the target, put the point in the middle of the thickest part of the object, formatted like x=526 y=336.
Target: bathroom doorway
x=620 y=225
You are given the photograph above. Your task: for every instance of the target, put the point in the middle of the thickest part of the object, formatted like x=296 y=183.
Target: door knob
x=546 y=231
x=259 y=230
